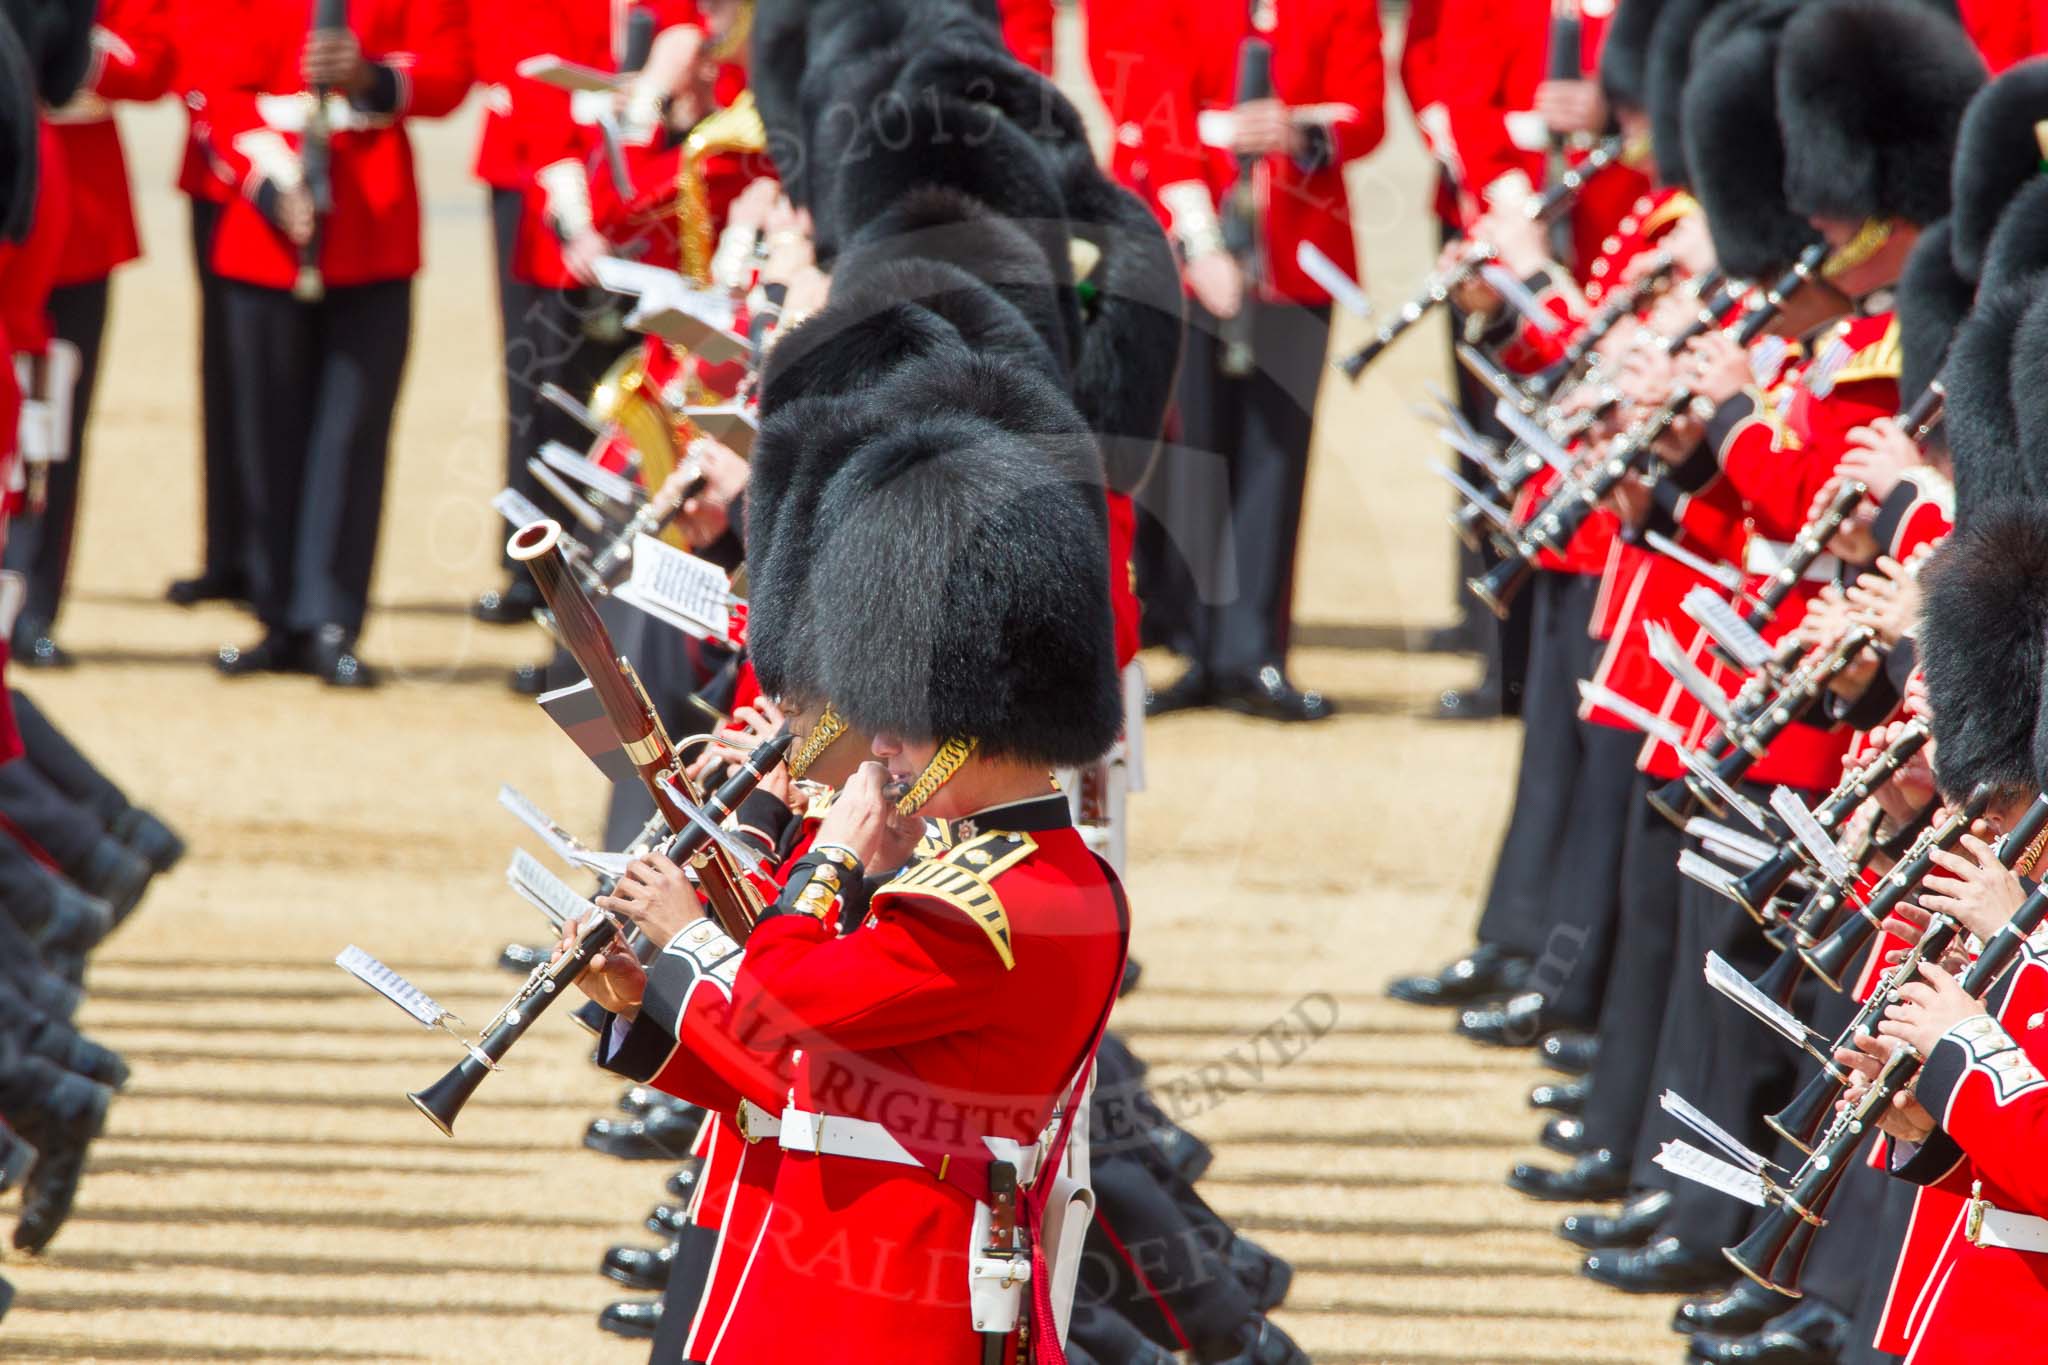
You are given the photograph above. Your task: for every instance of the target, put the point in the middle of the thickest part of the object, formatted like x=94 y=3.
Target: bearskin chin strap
x=734 y=40
x=824 y=734
x=1868 y=241
x=950 y=759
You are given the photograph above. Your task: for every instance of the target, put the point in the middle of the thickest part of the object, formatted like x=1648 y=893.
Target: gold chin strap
x=950 y=759
x=830 y=726
x=1868 y=241
x=736 y=34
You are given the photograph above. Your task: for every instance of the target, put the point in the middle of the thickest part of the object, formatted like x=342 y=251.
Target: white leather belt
x=865 y=1140
x=756 y=1123
x=290 y=113
x=1766 y=557
x=1989 y=1227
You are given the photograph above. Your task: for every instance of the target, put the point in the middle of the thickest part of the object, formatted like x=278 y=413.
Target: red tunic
x=1028 y=32
x=1481 y=122
x=1984 y=1086
x=1160 y=65
x=950 y=1013
x=131 y=61
x=256 y=103
x=195 y=26
x=2006 y=31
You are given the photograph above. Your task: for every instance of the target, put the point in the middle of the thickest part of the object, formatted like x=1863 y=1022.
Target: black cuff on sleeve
x=268 y=201
x=791 y=901
x=1940 y=1074
x=766 y=812
x=382 y=96
x=639 y=1055
x=1318 y=149
x=1934 y=1159
x=1726 y=418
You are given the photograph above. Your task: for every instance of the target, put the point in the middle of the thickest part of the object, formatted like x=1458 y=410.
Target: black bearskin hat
x=1870 y=94
x=18 y=137
x=1625 y=53
x=958 y=585
x=1931 y=300
x=1997 y=154
x=1667 y=63
x=1983 y=644
x=2019 y=244
x=1982 y=426
x=2029 y=397
x=1732 y=147
x=57 y=36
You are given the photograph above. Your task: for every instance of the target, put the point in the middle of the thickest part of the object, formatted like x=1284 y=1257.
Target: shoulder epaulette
x=1884 y=358
x=964 y=876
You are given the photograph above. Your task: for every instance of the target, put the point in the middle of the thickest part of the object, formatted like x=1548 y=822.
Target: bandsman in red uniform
x=130 y=62
x=319 y=305
x=1186 y=141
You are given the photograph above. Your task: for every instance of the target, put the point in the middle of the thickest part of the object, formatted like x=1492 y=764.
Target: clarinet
x=316 y=158
x=1811 y=543
x=1574 y=501
x=1439 y=286
x=1238 y=357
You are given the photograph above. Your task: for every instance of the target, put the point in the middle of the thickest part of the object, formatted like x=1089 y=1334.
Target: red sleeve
x=1988 y=1093
x=133 y=50
x=1499 y=54
x=1419 y=52
x=1354 y=73
x=1028 y=32
x=435 y=67
x=915 y=970
x=1136 y=50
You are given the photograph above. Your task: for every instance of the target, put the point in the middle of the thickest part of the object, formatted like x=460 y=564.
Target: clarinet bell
x=1675 y=801
x=1770 y=1242
x=443 y=1100
x=1779 y=980
x=1498 y=586
x=1800 y=1122
x=1470 y=526
x=1755 y=889
x=1831 y=958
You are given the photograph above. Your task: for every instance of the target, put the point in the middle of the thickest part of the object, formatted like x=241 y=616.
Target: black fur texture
x=1625 y=53
x=1996 y=155
x=1870 y=94
x=1730 y=123
x=1983 y=645
x=1667 y=64
x=1983 y=429
x=18 y=138
x=1932 y=300
x=2019 y=245
x=959 y=584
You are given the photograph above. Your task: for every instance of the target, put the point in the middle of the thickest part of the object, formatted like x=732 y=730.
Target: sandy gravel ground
x=266 y=1194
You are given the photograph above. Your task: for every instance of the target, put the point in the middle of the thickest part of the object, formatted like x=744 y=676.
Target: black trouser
x=1894 y=1218
x=53 y=754
x=228 y=507
x=1632 y=1015
x=1715 y=1054
x=1584 y=906
x=1559 y=653
x=1223 y=510
x=64 y=829
x=40 y=546
x=316 y=387
x=548 y=338
x=1842 y=1256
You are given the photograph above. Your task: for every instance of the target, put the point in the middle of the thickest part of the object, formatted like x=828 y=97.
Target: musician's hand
x=705 y=516
x=864 y=821
x=1973 y=887
x=1217 y=282
x=1928 y=1008
x=334 y=59
x=1692 y=246
x=1825 y=618
x=1676 y=443
x=1905 y=1118
x=1888 y=601
x=1572 y=106
x=1630 y=501
x=791 y=250
x=656 y=895
x=581 y=253
x=1716 y=368
x=1879 y=455
x=614 y=979
x=295 y=214
x=1910 y=789
x=809 y=291
x=757 y=724
x=1262 y=128
x=752 y=206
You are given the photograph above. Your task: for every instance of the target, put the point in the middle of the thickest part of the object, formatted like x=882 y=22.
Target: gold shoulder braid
x=962 y=878
x=826 y=732
x=950 y=759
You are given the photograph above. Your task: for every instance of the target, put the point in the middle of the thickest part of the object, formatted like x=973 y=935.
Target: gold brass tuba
x=735 y=128
x=659 y=433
